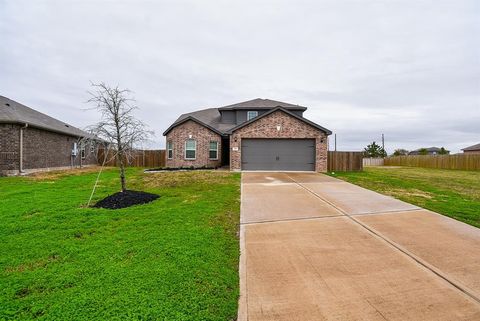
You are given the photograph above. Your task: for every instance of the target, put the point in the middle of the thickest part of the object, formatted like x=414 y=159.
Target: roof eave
x=19 y=122
x=165 y=133
x=472 y=148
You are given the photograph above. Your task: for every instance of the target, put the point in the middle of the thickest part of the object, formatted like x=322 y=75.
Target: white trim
x=168 y=149
x=210 y=150
x=195 y=149
x=252 y=111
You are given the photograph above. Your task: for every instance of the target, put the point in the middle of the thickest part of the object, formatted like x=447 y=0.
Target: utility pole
x=383 y=142
x=335 y=142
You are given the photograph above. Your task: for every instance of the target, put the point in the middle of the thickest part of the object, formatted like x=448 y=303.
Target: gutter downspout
x=20 y=168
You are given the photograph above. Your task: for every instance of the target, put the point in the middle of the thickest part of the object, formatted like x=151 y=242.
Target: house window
x=170 y=149
x=252 y=114
x=213 y=151
x=92 y=147
x=190 y=149
x=82 y=150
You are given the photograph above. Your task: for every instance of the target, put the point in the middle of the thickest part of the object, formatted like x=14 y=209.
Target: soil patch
x=126 y=199
x=174 y=169
x=56 y=174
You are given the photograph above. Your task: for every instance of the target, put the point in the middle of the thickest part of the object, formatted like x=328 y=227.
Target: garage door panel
x=278 y=154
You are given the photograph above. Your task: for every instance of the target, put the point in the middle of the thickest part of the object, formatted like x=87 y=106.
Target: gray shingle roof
x=211 y=117
x=429 y=149
x=473 y=147
x=13 y=112
x=260 y=103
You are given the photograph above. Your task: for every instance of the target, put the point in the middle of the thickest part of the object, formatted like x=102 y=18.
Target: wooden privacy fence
x=369 y=161
x=460 y=161
x=345 y=161
x=141 y=158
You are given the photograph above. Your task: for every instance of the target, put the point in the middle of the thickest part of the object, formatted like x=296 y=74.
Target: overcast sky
x=408 y=69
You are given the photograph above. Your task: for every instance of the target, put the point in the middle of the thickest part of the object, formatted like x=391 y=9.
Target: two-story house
x=259 y=134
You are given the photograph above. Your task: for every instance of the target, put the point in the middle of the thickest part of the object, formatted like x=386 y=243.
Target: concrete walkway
x=317 y=248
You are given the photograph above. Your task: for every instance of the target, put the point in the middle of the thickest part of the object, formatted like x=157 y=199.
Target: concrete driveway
x=317 y=248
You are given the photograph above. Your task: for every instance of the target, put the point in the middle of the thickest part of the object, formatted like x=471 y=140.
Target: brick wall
x=266 y=127
x=41 y=149
x=202 y=135
x=9 y=147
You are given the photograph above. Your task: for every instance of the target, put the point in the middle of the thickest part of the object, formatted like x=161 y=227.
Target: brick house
x=428 y=151
x=259 y=134
x=474 y=149
x=32 y=141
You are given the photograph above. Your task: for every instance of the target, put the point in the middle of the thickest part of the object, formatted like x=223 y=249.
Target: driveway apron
x=317 y=248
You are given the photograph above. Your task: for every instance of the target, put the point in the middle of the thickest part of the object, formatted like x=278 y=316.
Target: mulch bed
x=126 y=199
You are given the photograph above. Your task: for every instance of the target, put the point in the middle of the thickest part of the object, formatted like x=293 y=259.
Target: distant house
x=430 y=151
x=32 y=141
x=475 y=149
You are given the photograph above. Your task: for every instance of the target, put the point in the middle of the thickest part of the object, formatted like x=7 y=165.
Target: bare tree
x=118 y=126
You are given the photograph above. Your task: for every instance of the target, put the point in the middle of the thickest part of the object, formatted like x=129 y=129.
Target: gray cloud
x=408 y=69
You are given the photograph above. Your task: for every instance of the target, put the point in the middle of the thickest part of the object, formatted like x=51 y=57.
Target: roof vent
x=66 y=125
x=7 y=104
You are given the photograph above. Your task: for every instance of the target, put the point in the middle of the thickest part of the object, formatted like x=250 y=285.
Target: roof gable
x=326 y=131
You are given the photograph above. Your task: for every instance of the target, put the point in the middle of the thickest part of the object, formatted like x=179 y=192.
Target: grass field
x=453 y=193
x=173 y=259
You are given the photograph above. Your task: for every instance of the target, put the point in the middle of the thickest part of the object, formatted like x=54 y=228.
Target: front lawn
x=453 y=193
x=173 y=259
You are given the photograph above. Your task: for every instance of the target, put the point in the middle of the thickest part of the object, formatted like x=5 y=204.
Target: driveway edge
x=242 y=314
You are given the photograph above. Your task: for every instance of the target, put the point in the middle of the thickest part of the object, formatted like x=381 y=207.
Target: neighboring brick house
x=429 y=151
x=474 y=149
x=259 y=134
x=32 y=141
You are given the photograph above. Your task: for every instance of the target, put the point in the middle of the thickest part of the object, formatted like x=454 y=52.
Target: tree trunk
x=122 y=171
x=122 y=176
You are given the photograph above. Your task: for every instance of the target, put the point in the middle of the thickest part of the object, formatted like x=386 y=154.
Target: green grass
x=173 y=259
x=452 y=193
